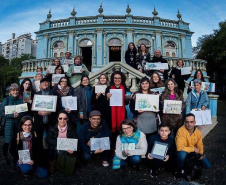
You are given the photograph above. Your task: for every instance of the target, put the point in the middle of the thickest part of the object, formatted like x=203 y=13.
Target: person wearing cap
x=197 y=98
x=94 y=128
x=43 y=119
x=76 y=76
x=67 y=58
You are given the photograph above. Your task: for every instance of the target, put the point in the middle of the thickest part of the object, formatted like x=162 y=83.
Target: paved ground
x=95 y=174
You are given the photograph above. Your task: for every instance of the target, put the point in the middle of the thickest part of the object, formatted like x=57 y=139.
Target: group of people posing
x=37 y=131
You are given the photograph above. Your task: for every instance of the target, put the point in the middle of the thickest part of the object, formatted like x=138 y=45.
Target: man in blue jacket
x=95 y=128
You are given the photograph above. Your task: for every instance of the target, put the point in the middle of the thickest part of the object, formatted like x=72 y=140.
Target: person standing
x=130 y=55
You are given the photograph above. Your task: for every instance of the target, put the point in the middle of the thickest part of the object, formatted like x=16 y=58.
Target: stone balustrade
x=126 y=19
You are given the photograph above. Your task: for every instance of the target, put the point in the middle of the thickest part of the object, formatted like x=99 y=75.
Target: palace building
x=102 y=39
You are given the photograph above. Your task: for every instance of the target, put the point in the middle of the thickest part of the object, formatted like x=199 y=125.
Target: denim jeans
x=135 y=159
x=39 y=171
x=181 y=156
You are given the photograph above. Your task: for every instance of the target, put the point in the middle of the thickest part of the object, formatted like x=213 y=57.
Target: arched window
x=144 y=41
x=85 y=43
x=58 y=48
x=114 y=42
x=170 y=49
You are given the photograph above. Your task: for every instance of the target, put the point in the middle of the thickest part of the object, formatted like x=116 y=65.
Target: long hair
x=123 y=78
x=195 y=75
x=176 y=90
x=57 y=67
x=146 y=51
x=144 y=79
x=22 y=86
x=134 y=48
x=129 y=123
x=152 y=83
x=107 y=80
x=82 y=79
x=182 y=62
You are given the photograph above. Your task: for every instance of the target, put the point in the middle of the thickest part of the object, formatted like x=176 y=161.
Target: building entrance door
x=86 y=53
x=114 y=53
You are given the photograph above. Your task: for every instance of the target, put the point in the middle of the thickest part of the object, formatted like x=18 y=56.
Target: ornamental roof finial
x=179 y=16
x=128 y=9
x=100 y=10
x=155 y=13
x=49 y=15
x=73 y=13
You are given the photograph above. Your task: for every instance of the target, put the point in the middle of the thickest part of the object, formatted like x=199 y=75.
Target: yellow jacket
x=187 y=143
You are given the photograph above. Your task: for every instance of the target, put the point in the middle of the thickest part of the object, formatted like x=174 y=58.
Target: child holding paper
x=163 y=137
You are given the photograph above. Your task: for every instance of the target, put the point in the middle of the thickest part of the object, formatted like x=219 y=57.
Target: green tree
x=213 y=50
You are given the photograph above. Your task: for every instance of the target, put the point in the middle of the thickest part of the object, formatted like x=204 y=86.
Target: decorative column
x=134 y=84
x=124 y=46
x=129 y=35
x=105 y=54
x=66 y=45
x=158 y=40
x=45 y=47
x=76 y=44
x=99 y=33
x=70 y=41
x=94 y=50
x=179 y=47
x=134 y=38
x=162 y=44
x=49 y=46
x=183 y=44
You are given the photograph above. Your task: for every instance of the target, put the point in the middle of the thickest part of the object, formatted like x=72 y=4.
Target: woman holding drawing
x=98 y=99
x=10 y=122
x=27 y=94
x=131 y=144
x=197 y=98
x=142 y=58
x=58 y=70
x=62 y=129
x=172 y=92
x=76 y=71
x=27 y=140
x=146 y=120
x=176 y=75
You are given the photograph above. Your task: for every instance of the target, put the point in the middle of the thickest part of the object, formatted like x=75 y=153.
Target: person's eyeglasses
x=127 y=128
x=117 y=78
x=85 y=80
x=25 y=125
x=63 y=81
x=60 y=118
x=59 y=69
x=95 y=119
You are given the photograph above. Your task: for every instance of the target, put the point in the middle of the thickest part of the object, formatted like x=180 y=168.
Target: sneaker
x=105 y=163
x=153 y=173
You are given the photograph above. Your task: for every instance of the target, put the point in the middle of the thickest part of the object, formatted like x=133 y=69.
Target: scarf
x=178 y=67
x=118 y=112
x=27 y=142
x=125 y=139
x=62 y=132
x=63 y=91
x=88 y=97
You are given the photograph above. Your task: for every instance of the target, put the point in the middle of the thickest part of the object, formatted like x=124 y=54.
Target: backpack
x=193 y=166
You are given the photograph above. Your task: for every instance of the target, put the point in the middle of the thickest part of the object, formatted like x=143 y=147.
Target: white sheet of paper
x=100 y=88
x=10 y=109
x=129 y=146
x=65 y=67
x=99 y=143
x=77 y=69
x=68 y=61
x=186 y=70
x=69 y=102
x=208 y=87
x=172 y=107
x=67 y=144
x=56 y=78
x=202 y=117
x=51 y=69
x=147 y=102
x=24 y=156
x=116 y=98
x=159 y=149
x=156 y=66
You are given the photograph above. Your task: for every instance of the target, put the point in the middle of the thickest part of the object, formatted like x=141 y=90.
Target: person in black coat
x=176 y=75
x=159 y=59
x=62 y=129
x=27 y=139
x=142 y=58
x=163 y=137
x=130 y=55
x=44 y=119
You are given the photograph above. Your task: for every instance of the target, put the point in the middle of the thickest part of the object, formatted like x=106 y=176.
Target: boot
x=51 y=167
